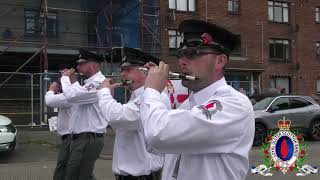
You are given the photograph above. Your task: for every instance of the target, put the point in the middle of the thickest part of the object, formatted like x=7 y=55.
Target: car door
x=278 y=109
x=301 y=111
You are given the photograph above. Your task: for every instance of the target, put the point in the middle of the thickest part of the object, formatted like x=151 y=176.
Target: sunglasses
x=193 y=53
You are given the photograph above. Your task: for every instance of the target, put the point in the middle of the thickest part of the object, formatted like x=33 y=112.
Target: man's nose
x=123 y=73
x=183 y=62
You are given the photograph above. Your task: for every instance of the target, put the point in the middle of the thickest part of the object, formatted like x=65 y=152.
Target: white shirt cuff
x=104 y=91
x=65 y=79
x=50 y=92
x=150 y=93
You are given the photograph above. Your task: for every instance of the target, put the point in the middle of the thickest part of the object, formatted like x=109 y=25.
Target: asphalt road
x=36 y=153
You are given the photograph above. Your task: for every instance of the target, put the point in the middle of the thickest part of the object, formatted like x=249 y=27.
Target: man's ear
x=221 y=60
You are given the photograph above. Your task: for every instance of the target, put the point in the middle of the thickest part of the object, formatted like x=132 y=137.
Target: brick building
x=280 y=40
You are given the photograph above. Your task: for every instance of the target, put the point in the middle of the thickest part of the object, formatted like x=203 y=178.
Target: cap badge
x=124 y=58
x=207 y=38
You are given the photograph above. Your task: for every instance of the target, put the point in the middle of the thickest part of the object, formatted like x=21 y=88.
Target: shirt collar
x=203 y=95
x=94 y=77
x=137 y=92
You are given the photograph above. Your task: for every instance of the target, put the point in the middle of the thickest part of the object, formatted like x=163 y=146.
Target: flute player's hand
x=157 y=77
x=107 y=83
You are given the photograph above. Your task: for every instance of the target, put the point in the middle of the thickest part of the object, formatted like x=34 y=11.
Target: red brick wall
x=303 y=69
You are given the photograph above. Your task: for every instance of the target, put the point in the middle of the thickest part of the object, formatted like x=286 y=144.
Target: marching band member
x=210 y=135
x=87 y=138
x=131 y=161
x=55 y=99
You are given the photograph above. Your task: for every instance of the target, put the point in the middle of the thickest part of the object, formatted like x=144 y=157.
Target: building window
x=279 y=49
x=278 y=12
x=234 y=6
x=31 y=21
x=34 y=20
x=174 y=39
x=280 y=84
x=318 y=86
x=182 y=5
x=51 y=24
x=237 y=50
x=318 y=14
x=318 y=50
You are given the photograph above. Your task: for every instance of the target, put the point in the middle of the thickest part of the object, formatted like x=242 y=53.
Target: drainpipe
x=206 y=3
x=260 y=23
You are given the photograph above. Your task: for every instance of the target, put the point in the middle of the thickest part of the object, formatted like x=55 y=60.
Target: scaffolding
x=103 y=19
x=37 y=36
x=133 y=23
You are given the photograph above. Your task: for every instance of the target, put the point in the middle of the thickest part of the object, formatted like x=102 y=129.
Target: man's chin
x=185 y=83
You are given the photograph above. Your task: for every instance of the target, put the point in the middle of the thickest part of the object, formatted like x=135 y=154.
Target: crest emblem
x=284 y=151
x=89 y=86
x=210 y=108
x=137 y=103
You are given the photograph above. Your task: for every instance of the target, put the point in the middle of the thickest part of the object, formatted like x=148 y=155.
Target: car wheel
x=13 y=145
x=315 y=130
x=259 y=135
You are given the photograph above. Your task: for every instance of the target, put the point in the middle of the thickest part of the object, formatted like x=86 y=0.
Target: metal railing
x=22 y=97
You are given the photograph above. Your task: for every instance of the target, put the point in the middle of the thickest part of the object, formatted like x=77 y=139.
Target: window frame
x=317 y=50
x=318 y=86
x=317 y=14
x=273 y=6
x=188 y=6
x=283 y=59
x=239 y=48
x=34 y=15
x=49 y=17
x=38 y=17
x=233 y=2
x=176 y=36
x=275 y=82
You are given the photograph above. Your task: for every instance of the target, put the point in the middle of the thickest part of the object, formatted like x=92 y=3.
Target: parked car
x=8 y=134
x=303 y=111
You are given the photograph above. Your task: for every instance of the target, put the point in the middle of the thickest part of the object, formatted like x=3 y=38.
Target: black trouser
x=59 y=172
x=153 y=176
x=85 y=149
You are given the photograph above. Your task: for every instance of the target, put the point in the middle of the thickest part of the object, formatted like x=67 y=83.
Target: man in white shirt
x=55 y=100
x=89 y=127
x=131 y=161
x=210 y=135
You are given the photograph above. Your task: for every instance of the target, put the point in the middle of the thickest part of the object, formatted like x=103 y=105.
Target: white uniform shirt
x=130 y=156
x=65 y=113
x=89 y=116
x=214 y=139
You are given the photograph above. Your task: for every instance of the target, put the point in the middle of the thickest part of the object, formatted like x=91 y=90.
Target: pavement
x=36 y=153
x=43 y=170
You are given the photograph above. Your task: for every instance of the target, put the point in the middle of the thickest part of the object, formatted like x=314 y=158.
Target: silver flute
x=126 y=82
x=122 y=82
x=174 y=75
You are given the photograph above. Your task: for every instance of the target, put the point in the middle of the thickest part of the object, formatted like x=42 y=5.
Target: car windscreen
x=263 y=104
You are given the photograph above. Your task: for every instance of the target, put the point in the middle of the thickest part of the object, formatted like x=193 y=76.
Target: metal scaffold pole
x=44 y=15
